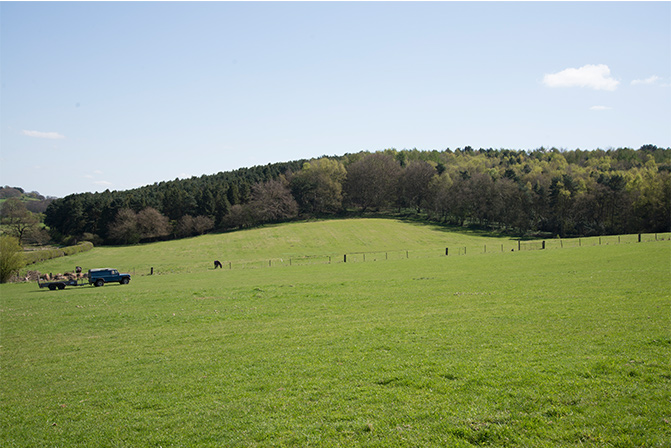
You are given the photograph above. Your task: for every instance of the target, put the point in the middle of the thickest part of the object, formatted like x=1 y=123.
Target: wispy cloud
x=40 y=134
x=651 y=80
x=103 y=183
x=592 y=76
x=600 y=108
x=93 y=174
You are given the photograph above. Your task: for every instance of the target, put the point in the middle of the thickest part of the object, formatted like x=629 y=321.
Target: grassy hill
x=534 y=348
x=315 y=240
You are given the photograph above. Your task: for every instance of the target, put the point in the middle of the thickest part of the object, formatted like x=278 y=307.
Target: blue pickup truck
x=98 y=277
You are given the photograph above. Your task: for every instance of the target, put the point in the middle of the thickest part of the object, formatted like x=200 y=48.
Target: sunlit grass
x=534 y=348
x=279 y=244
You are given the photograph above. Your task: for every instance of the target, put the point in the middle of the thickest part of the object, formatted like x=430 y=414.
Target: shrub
x=11 y=257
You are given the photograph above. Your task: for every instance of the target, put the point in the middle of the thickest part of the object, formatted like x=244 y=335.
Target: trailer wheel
x=99 y=282
x=61 y=286
x=52 y=287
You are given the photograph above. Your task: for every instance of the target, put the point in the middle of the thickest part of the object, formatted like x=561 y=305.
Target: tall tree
x=414 y=184
x=124 y=229
x=272 y=201
x=372 y=181
x=152 y=224
x=16 y=216
x=318 y=186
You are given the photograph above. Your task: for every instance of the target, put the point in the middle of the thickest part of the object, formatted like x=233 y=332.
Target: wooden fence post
x=345 y=258
x=639 y=237
x=543 y=246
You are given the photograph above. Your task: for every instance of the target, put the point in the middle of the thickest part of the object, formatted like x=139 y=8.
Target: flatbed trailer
x=59 y=284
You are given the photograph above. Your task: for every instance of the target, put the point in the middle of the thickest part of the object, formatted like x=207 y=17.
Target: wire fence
x=435 y=252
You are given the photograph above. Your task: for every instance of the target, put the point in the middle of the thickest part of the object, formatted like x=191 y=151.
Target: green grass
x=546 y=348
x=303 y=243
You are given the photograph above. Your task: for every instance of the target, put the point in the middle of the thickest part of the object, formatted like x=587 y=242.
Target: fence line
x=489 y=248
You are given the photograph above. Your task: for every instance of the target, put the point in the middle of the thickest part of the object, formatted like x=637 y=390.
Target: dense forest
x=550 y=191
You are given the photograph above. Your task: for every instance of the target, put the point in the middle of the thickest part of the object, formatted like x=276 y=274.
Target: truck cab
x=98 y=277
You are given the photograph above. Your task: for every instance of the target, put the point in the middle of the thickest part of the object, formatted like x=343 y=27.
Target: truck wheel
x=99 y=282
x=124 y=281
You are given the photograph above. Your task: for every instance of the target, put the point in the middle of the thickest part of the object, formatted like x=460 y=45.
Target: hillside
x=34 y=201
x=318 y=239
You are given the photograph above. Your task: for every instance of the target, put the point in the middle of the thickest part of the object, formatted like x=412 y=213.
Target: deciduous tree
x=414 y=183
x=272 y=201
x=318 y=186
x=372 y=181
x=152 y=224
x=17 y=218
x=124 y=229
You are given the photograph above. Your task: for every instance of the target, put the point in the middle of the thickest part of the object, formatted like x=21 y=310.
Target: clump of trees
x=566 y=193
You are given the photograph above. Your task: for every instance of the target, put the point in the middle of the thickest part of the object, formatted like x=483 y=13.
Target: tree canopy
x=545 y=190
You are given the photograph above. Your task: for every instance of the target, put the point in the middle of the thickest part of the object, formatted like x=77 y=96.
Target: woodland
x=551 y=192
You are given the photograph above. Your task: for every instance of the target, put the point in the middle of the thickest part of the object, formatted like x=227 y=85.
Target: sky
x=118 y=95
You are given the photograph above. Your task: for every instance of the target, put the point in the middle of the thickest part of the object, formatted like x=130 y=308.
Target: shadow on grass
x=84 y=287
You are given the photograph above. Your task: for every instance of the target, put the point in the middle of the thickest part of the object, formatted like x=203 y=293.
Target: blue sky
x=118 y=95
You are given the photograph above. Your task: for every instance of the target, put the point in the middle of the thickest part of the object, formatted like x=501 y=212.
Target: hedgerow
x=47 y=254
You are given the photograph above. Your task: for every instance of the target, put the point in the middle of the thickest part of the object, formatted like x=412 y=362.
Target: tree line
x=558 y=192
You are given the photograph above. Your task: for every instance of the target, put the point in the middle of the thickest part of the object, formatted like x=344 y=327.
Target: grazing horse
x=217 y=264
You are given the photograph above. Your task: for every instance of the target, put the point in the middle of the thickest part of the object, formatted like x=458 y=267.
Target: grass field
x=549 y=348
x=306 y=242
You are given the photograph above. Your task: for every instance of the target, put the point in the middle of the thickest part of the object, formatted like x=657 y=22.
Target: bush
x=11 y=257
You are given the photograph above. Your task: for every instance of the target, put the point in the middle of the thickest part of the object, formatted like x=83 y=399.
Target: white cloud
x=103 y=182
x=593 y=76
x=600 y=108
x=40 y=134
x=651 y=80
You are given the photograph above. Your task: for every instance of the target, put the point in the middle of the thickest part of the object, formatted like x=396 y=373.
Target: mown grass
x=540 y=348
